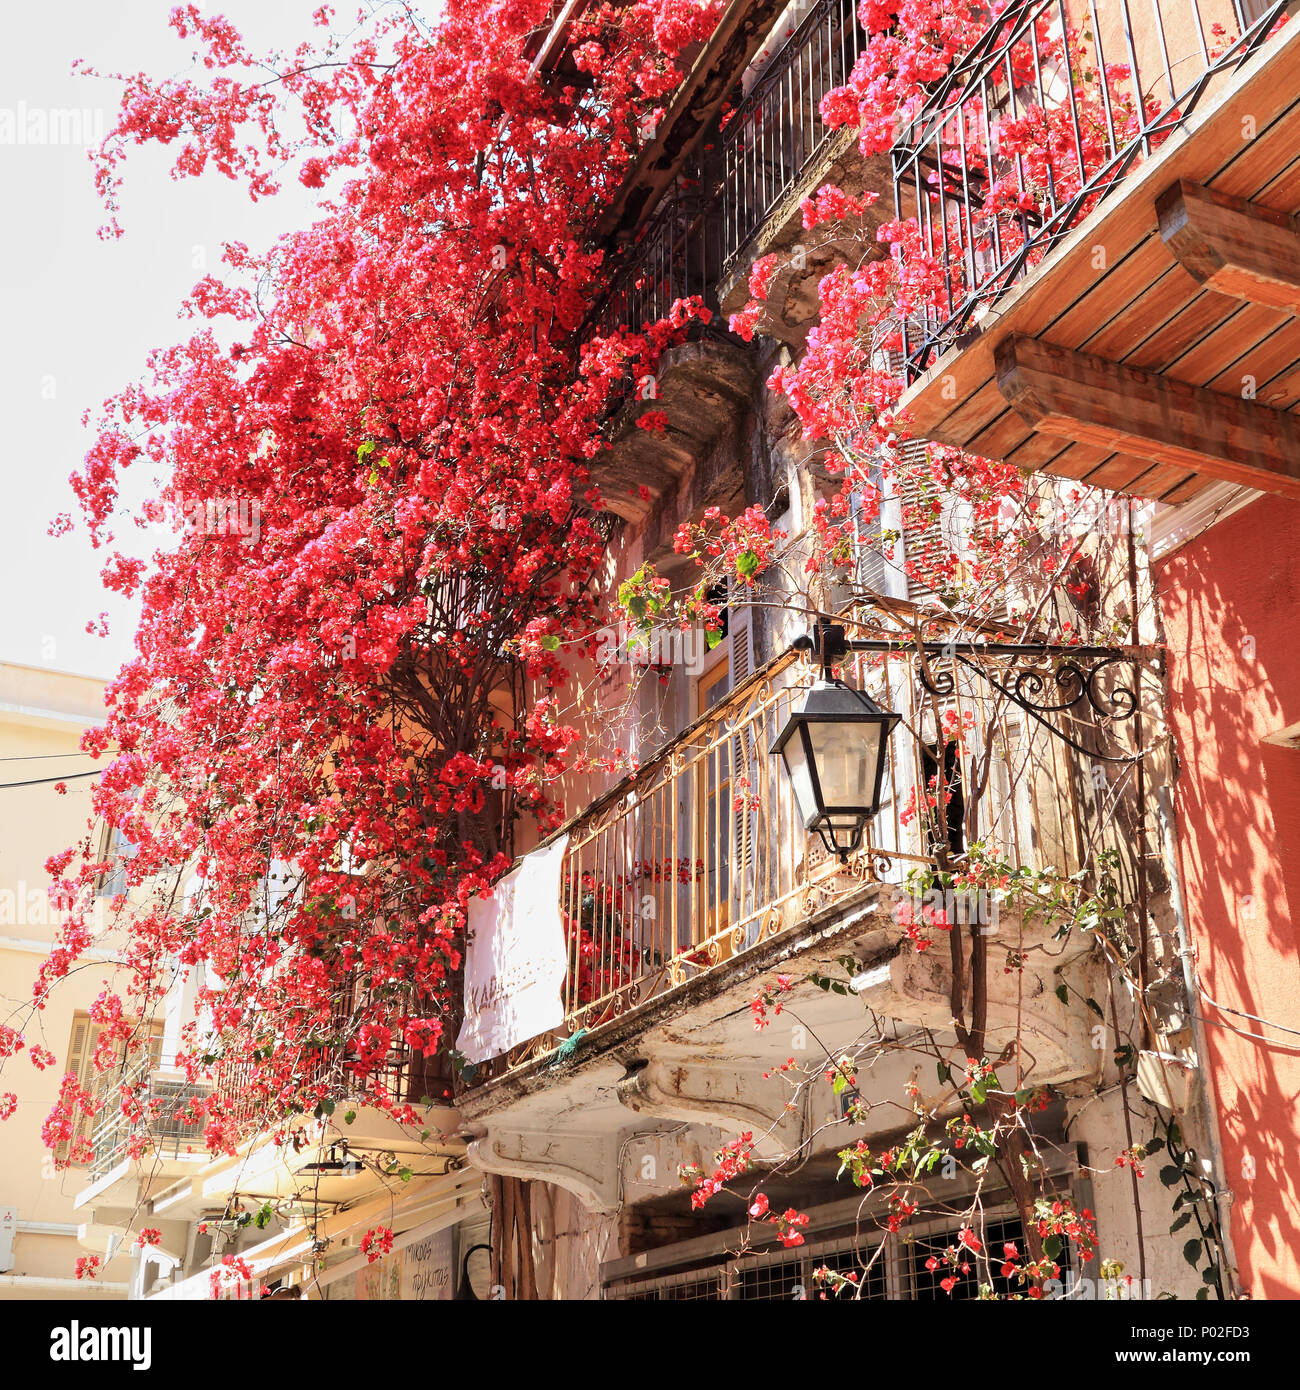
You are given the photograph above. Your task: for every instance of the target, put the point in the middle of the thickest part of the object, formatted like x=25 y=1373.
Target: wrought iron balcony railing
x=770 y=143
x=776 y=136
x=1090 y=88
x=252 y=1106
x=700 y=856
x=677 y=256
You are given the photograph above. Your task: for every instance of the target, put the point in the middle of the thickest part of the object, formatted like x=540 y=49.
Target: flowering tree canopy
x=374 y=448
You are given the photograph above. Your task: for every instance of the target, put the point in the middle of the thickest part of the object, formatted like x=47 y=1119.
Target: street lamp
x=833 y=749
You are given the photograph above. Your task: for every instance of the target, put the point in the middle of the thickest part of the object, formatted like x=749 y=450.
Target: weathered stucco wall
x=1228 y=600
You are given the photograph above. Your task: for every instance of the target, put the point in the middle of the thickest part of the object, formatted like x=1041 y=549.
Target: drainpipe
x=1165 y=818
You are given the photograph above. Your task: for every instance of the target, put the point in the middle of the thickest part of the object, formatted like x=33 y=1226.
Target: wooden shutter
x=744 y=756
x=873 y=568
x=923 y=510
x=81 y=1063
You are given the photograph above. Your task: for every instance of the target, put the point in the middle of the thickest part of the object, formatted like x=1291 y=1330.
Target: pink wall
x=1231 y=607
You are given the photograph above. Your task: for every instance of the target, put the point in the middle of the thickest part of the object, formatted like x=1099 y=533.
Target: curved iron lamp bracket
x=1075 y=675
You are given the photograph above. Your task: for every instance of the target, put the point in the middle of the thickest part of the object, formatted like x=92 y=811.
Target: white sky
x=78 y=315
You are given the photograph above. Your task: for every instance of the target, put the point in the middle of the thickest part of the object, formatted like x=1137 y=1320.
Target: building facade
x=1132 y=348
x=42 y=717
x=1102 y=350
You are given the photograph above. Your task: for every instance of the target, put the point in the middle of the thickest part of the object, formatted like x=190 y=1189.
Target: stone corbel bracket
x=583 y=1164
x=713 y=1092
x=1056 y=1039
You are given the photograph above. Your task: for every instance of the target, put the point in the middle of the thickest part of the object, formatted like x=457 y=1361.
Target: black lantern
x=834 y=752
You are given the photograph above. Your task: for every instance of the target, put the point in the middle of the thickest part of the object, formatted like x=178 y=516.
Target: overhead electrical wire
x=42 y=781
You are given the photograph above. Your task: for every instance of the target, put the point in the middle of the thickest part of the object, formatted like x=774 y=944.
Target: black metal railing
x=677 y=256
x=776 y=135
x=1096 y=87
x=770 y=143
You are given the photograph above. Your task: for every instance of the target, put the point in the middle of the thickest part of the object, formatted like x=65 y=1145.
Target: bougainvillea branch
x=374 y=453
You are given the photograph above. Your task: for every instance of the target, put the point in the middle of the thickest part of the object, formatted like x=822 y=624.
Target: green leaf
x=349 y=1117
x=1192 y=1251
x=712 y=637
x=1180 y=1222
x=1170 y=1174
x=1095 y=1007
x=1202 y=1293
x=1063 y=994
x=747 y=565
x=1052 y=1247
x=327 y=1107
x=551 y=643
x=1209 y=1275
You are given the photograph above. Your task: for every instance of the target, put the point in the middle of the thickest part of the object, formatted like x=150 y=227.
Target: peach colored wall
x=1229 y=602
x=42 y=713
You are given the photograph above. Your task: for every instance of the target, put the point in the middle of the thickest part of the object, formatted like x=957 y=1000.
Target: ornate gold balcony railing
x=700 y=856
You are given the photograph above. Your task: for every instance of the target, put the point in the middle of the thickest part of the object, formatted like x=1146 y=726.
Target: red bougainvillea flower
x=376 y=1243
x=373 y=451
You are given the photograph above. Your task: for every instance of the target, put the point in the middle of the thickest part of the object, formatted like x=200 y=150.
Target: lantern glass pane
x=846 y=755
x=801 y=783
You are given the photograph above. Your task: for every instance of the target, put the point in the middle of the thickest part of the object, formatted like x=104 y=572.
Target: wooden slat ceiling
x=1144 y=309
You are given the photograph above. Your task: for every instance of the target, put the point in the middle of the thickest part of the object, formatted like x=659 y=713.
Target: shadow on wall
x=1229 y=602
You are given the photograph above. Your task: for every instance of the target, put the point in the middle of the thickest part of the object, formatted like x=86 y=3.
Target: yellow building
x=43 y=714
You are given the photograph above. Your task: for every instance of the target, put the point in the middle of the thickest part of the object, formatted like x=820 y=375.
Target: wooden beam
x=1233 y=246
x=1128 y=411
x=696 y=104
x=1210 y=148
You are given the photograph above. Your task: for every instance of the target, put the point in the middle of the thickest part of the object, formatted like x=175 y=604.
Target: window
x=779 y=1276
x=723 y=836
x=115 y=850
x=923 y=1284
x=784 y=1276
x=81 y=1063
x=954 y=813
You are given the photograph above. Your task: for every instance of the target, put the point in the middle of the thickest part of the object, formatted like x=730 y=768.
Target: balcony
x=687 y=884
x=156 y=1152
x=734 y=196
x=1118 y=309
x=703 y=385
x=163 y=1134
x=775 y=153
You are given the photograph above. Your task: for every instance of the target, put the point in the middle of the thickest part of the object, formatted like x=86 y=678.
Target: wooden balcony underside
x=1118 y=291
